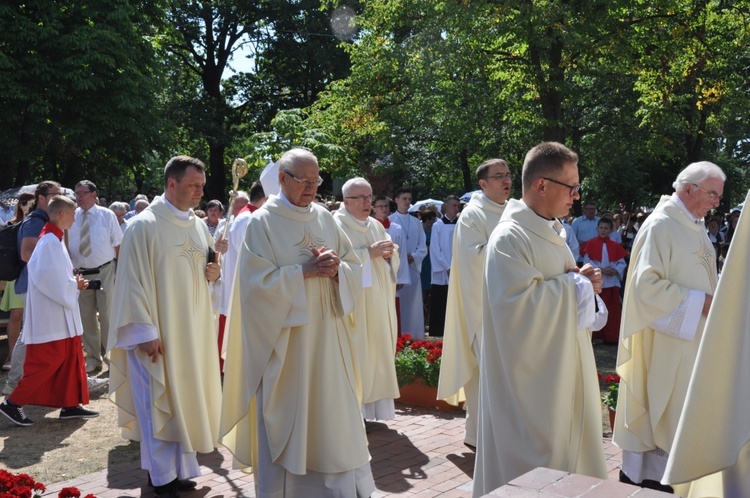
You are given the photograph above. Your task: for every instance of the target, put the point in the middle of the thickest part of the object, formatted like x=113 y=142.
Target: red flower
x=90 y=496
x=434 y=355
x=69 y=493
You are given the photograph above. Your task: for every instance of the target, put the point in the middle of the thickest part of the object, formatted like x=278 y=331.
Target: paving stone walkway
x=419 y=453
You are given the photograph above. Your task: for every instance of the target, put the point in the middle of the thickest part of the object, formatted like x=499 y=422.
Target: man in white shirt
x=441 y=254
x=94 y=241
x=415 y=247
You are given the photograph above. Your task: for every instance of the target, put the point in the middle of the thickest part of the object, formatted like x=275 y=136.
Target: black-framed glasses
x=362 y=198
x=574 y=189
x=307 y=183
x=502 y=178
x=714 y=196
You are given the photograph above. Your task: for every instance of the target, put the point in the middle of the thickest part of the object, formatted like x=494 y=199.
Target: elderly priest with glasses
x=291 y=407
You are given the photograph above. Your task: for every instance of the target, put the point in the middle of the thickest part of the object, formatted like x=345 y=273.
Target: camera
x=95 y=284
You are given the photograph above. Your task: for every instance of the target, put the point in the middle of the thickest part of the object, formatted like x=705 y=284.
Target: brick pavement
x=419 y=453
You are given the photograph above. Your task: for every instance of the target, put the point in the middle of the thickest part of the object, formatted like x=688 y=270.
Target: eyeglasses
x=362 y=198
x=501 y=178
x=307 y=183
x=574 y=189
x=380 y=206
x=713 y=196
x=83 y=192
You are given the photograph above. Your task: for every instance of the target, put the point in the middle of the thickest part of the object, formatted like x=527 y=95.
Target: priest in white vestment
x=714 y=429
x=670 y=284
x=291 y=406
x=375 y=311
x=164 y=371
x=539 y=400
x=415 y=249
x=459 y=367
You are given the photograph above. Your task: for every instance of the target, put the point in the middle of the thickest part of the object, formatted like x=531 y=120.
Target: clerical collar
x=361 y=223
x=684 y=209
x=178 y=213
x=487 y=199
x=449 y=222
x=299 y=209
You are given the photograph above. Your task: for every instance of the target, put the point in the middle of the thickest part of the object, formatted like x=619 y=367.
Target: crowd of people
x=243 y=325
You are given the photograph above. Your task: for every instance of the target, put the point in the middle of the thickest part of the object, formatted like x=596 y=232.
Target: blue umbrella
x=467 y=196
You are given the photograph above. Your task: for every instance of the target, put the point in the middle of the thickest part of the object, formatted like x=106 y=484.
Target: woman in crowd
x=214 y=210
x=11 y=302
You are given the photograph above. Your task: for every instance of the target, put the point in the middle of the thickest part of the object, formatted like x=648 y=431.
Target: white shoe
x=96 y=384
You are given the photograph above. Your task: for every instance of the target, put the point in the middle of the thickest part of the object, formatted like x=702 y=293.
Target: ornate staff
x=239 y=169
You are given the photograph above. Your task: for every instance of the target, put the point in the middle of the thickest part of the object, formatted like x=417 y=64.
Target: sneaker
x=96 y=384
x=15 y=414
x=77 y=412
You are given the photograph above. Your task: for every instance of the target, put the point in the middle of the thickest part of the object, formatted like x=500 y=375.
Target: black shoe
x=178 y=484
x=167 y=494
x=77 y=412
x=15 y=414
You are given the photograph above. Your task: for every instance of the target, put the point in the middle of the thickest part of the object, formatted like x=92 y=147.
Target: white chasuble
x=375 y=311
x=671 y=256
x=463 y=315
x=161 y=282
x=539 y=400
x=292 y=337
x=714 y=429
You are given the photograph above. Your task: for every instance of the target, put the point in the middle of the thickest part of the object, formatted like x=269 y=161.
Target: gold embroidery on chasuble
x=707 y=259
x=195 y=256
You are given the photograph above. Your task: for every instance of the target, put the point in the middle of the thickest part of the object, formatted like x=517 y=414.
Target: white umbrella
x=425 y=202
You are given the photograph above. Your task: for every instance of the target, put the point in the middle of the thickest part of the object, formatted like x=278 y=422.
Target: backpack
x=10 y=259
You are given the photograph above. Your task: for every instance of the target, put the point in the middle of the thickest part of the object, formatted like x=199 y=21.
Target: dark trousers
x=438 y=301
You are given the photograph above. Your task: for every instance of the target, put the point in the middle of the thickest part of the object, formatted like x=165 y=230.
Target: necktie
x=85 y=247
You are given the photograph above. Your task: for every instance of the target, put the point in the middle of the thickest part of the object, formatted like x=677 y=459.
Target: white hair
x=291 y=157
x=358 y=181
x=695 y=173
x=141 y=202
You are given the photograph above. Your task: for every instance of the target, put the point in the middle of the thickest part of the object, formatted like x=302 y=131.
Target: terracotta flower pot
x=420 y=394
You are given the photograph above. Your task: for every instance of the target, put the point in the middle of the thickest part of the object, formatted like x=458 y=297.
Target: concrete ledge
x=542 y=483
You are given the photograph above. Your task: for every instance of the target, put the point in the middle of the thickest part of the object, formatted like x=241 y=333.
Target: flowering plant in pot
x=613 y=386
x=418 y=360
x=24 y=486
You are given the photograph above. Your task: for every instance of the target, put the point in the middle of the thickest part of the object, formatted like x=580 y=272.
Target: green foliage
x=418 y=360
x=77 y=89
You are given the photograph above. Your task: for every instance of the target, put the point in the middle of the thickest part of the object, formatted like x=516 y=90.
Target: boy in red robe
x=604 y=253
x=54 y=370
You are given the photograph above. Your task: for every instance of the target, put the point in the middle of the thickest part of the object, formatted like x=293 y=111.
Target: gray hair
x=119 y=206
x=695 y=173
x=354 y=182
x=141 y=202
x=291 y=157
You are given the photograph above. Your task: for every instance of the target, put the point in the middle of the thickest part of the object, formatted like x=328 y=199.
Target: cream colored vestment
x=375 y=311
x=292 y=337
x=670 y=257
x=161 y=281
x=539 y=400
x=463 y=317
x=714 y=429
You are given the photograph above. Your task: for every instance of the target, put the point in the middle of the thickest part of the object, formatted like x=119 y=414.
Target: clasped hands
x=323 y=263
x=381 y=249
x=593 y=274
